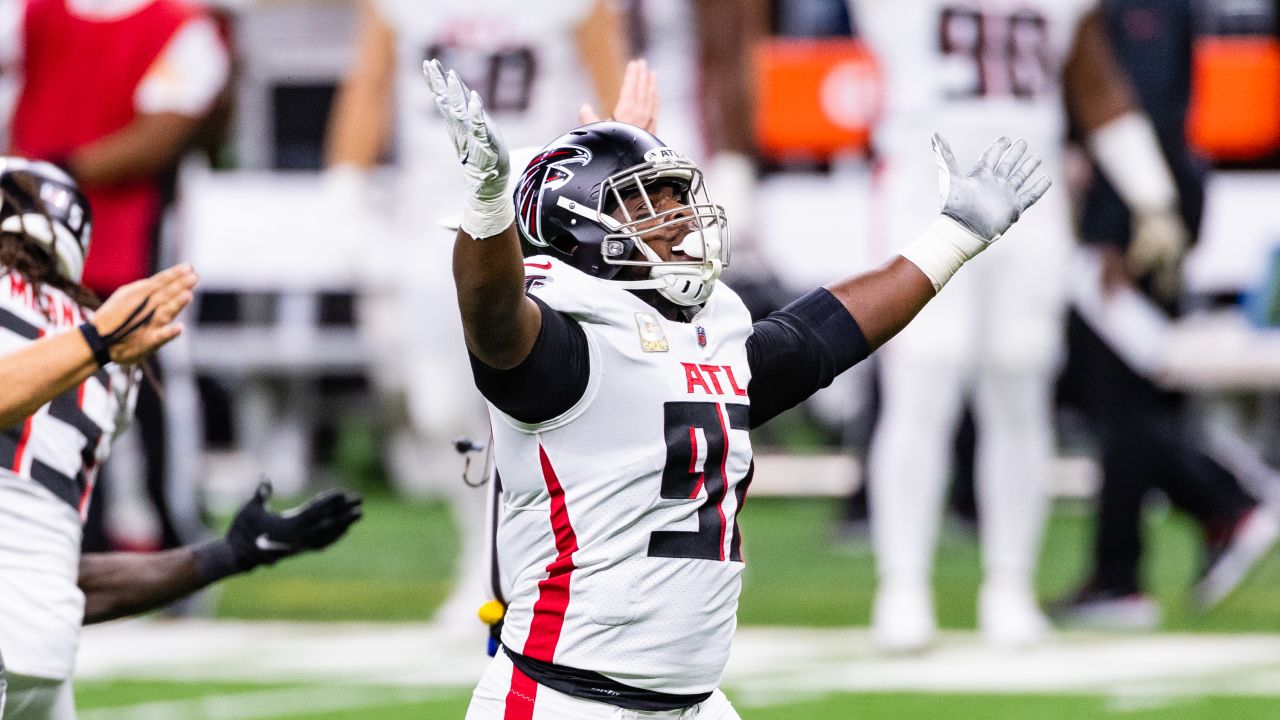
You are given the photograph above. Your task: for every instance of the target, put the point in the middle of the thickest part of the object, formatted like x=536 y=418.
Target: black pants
x=1145 y=443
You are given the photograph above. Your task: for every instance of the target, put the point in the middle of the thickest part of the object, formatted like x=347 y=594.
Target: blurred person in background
x=68 y=368
x=1144 y=438
x=143 y=74
x=10 y=17
x=704 y=53
x=532 y=68
x=973 y=69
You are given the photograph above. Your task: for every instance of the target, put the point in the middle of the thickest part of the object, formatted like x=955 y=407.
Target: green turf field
x=191 y=701
x=395 y=567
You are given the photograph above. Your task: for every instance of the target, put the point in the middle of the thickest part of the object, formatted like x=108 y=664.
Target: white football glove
x=485 y=166
x=977 y=208
x=995 y=193
x=1156 y=248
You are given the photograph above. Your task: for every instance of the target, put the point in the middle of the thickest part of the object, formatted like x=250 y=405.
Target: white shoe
x=1229 y=564
x=1092 y=609
x=902 y=620
x=1011 y=618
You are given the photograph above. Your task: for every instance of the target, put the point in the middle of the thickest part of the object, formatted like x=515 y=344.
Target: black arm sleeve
x=799 y=350
x=548 y=382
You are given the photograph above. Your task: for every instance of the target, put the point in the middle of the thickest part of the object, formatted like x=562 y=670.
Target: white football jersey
x=970 y=69
x=618 y=541
x=973 y=70
x=523 y=62
x=47 y=469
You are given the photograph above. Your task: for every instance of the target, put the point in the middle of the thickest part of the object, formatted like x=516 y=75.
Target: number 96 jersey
x=47 y=467
x=964 y=67
x=617 y=539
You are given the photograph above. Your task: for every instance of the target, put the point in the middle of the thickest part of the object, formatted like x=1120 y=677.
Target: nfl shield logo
x=702 y=336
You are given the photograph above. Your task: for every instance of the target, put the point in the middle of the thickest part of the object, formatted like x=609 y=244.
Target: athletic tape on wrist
x=485 y=218
x=942 y=249
x=97 y=345
x=1128 y=152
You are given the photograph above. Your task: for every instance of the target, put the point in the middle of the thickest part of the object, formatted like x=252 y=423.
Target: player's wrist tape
x=217 y=559
x=942 y=249
x=97 y=344
x=1128 y=153
x=485 y=218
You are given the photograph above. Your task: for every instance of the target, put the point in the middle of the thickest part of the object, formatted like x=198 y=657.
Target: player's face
x=663 y=197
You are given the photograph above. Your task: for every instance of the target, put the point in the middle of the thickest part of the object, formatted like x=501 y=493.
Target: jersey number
x=1001 y=54
x=697 y=454
x=65 y=408
x=503 y=78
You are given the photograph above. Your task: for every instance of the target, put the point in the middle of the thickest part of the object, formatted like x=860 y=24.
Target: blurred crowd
x=290 y=152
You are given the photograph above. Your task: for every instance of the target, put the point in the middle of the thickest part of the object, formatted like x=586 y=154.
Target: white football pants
x=496 y=698
x=32 y=698
x=911 y=462
x=993 y=336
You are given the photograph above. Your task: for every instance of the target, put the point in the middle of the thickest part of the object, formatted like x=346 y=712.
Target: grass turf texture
x=395 y=565
x=202 y=701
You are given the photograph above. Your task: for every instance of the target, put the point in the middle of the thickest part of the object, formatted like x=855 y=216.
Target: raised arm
x=602 y=48
x=117 y=585
x=978 y=208
x=500 y=323
x=361 y=117
x=134 y=322
x=1125 y=148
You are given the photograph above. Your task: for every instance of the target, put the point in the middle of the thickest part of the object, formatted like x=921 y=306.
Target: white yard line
x=767 y=663
x=263 y=704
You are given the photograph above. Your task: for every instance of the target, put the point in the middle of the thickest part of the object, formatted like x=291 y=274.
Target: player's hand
x=480 y=149
x=260 y=537
x=140 y=317
x=638 y=102
x=1156 y=248
x=993 y=195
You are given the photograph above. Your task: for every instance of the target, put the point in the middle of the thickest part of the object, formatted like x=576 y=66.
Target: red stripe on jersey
x=22 y=445
x=724 y=473
x=553 y=592
x=521 y=697
x=693 y=464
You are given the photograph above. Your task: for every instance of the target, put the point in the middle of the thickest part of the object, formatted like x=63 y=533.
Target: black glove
x=261 y=537
x=258 y=536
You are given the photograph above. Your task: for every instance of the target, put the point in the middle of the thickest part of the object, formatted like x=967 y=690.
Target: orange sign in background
x=1235 y=108
x=817 y=98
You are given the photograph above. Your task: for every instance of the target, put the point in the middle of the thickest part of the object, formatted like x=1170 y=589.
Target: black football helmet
x=570 y=200
x=44 y=204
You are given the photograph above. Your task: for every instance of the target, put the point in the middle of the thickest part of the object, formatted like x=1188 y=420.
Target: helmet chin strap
x=671 y=282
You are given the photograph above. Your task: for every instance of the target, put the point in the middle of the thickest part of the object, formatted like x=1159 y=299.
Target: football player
x=623 y=377
x=972 y=69
x=69 y=379
x=532 y=67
